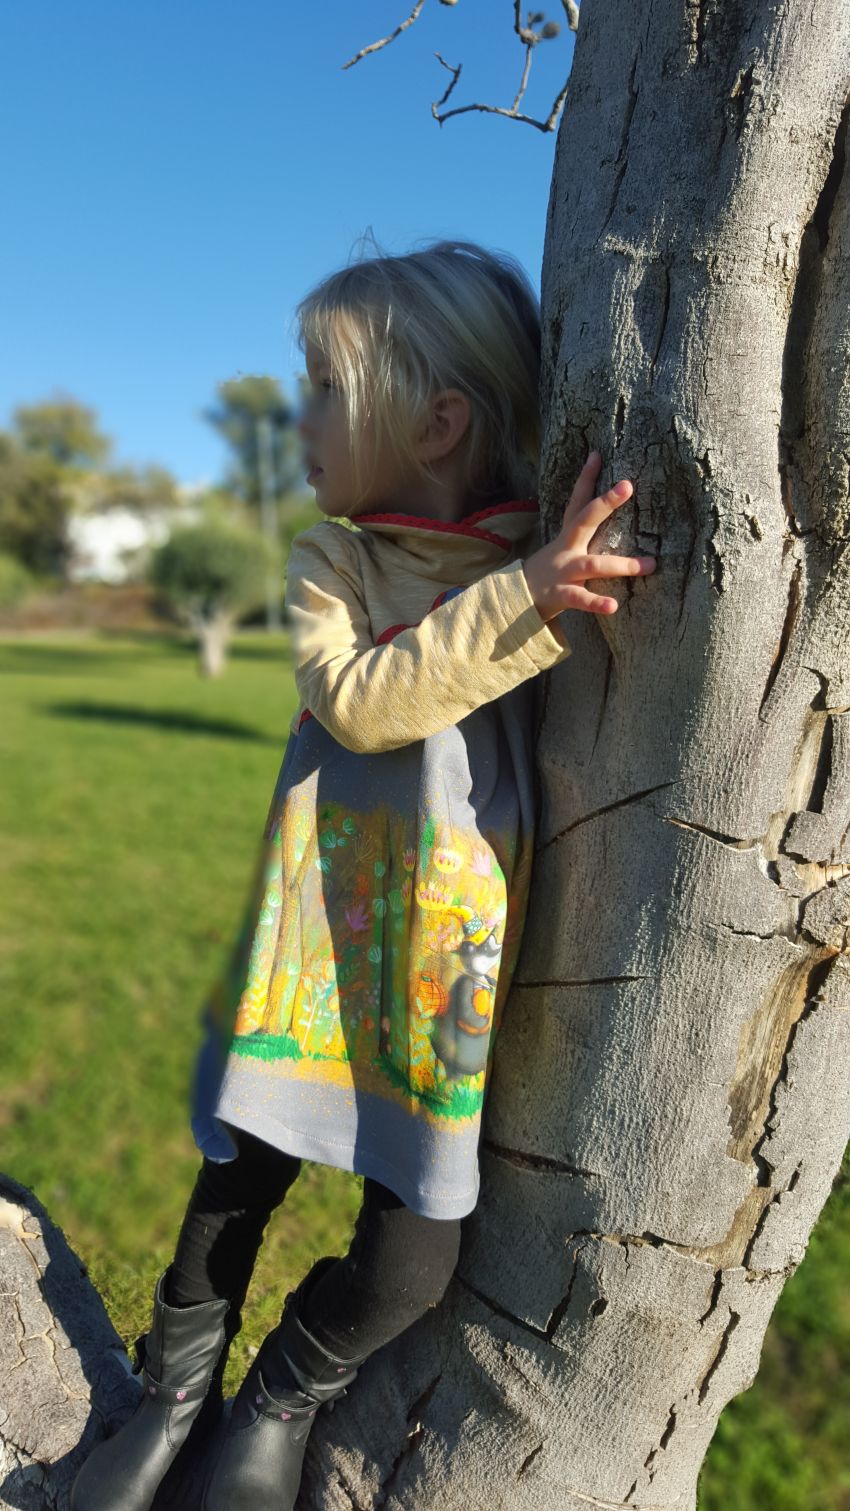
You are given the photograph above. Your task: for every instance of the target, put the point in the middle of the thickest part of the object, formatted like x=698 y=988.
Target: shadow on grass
x=179 y=723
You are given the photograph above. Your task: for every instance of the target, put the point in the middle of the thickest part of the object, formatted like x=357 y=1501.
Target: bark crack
x=683 y=583
x=665 y=312
x=812 y=999
x=633 y=797
x=619 y=420
x=792 y=610
x=578 y=981
x=729 y=928
x=823 y=768
x=762 y=1222
x=525 y=1161
x=529 y=1459
x=544 y=1334
x=713 y=557
x=698 y=26
x=767 y=1040
x=713 y=1298
x=543 y=706
x=732 y=840
x=662 y=1443
x=411 y=1443
x=622 y=159
x=560 y=1311
x=739 y=98
x=604 y=701
x=734 y=1319
x=501 y=1311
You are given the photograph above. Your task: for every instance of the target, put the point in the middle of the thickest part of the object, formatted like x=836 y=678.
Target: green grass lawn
x=133 y=800
x=131 y=812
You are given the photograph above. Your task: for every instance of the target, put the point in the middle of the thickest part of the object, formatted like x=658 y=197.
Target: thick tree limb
x=64 y=1374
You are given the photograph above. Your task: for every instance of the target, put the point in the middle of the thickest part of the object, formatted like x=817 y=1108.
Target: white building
x=111 y=545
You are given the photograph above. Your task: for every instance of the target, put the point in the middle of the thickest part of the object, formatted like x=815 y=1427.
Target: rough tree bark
x=670 y=1097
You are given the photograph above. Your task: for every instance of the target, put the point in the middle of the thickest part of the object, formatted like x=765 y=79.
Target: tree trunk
x=213 y=638
x=670 y=1097
x=669 y=1102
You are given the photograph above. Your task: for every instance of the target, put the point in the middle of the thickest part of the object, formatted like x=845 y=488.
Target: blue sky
x=176 y=173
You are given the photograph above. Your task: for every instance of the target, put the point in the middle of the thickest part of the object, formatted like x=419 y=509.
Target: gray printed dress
x=356 y=1020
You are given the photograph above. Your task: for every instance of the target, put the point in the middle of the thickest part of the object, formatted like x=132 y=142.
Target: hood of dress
x=465 y=548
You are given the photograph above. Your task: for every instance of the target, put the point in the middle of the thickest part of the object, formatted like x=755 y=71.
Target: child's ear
x=446 y=425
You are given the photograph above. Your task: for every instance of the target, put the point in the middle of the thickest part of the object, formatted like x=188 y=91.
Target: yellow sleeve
x=474 y=648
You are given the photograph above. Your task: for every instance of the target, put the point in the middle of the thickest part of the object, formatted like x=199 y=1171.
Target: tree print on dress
x=379 y=946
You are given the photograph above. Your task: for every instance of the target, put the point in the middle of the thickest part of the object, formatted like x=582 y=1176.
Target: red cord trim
x=395 y=629
x=519 y=506
x=453 y=527
x=390 y=633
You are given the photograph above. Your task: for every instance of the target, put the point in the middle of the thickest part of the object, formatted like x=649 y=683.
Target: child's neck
x=445 y=496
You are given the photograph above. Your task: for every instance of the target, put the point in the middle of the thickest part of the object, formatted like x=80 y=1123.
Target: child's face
x=324 y=428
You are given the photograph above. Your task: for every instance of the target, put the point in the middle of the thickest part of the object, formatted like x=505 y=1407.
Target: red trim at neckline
x=466 y=526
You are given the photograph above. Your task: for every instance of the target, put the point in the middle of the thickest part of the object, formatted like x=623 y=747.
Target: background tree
x=35 y=504
x=211 y=573
x=258 y=422
x=63 y=429
x=54 y=465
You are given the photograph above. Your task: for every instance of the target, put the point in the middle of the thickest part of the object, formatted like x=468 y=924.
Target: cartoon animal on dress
x=461 y=1034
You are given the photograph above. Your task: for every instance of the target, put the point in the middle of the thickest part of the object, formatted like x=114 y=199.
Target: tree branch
x=527 y=35
x=376 y=46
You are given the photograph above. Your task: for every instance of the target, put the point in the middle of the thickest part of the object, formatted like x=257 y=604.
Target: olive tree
x=211 y=573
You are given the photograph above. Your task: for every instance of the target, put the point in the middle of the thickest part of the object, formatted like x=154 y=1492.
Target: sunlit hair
x=397 y=330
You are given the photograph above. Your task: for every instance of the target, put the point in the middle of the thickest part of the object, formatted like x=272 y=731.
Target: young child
x=368 y=982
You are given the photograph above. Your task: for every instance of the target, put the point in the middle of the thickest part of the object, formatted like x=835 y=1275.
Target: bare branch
x=455 y=72
x=376 y=46
x=548 y=125
x=529 y=34
x=529 y=38
x=523 y=83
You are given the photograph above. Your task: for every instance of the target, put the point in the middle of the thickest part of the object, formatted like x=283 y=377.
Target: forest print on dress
x=377 y=946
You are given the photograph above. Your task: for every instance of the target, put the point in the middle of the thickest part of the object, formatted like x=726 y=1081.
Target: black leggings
x=398 y=1265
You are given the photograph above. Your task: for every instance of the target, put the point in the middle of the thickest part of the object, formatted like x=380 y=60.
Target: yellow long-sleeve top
x=345 y=591
x=370 y=975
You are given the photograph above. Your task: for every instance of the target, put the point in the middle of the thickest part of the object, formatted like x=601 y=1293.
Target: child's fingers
x=612 y=566
x=592 y=603
x=585 y=523
x=585 y=486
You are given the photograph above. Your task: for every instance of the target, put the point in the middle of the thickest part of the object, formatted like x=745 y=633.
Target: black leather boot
x=177 y=1359
x=258 y=1467
x=183 y=1484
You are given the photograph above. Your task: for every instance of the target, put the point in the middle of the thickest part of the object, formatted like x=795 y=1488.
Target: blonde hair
x=397 y=330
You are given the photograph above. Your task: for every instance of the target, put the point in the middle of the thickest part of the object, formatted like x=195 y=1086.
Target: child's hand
x=555 y=574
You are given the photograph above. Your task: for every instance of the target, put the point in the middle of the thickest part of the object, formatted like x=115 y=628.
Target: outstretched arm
x=470 y=650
